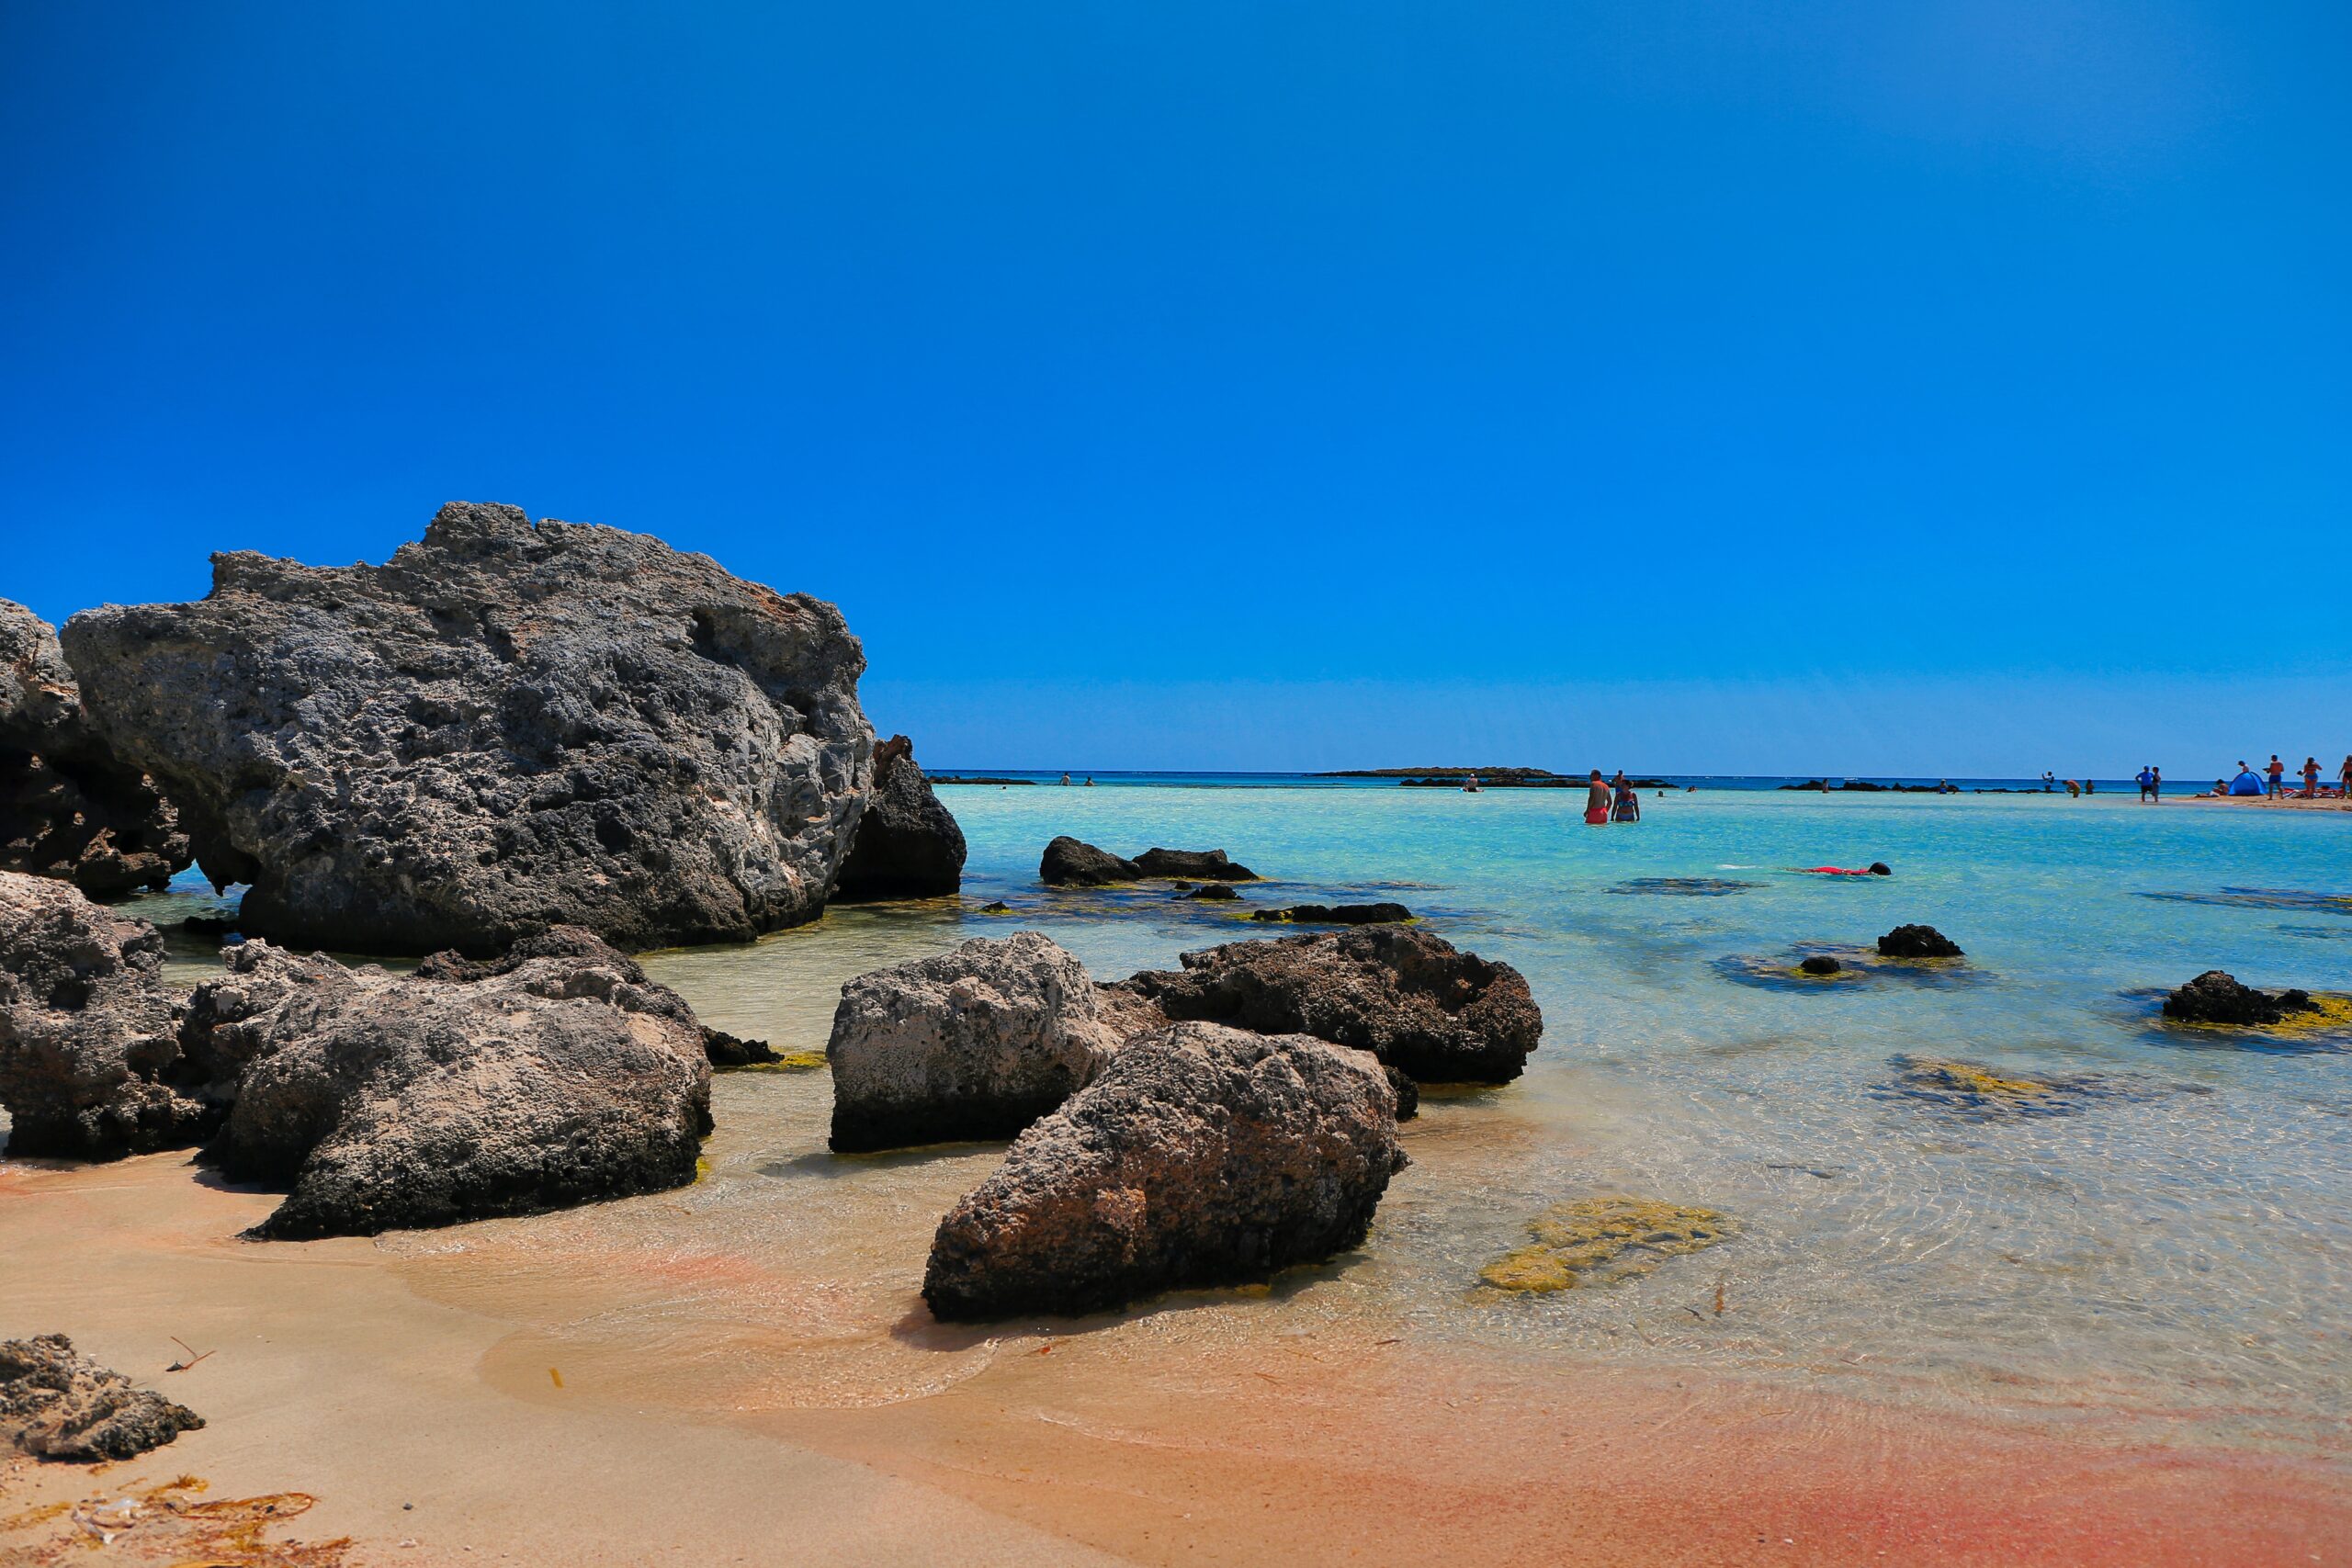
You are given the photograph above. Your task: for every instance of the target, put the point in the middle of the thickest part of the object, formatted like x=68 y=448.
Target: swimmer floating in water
x=1876 y=868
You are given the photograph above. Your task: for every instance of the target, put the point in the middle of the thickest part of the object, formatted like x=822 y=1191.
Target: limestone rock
x=1421 y=1005
x=974 y=1043
x=68 y=809
x=1335 y=915
x=908 y=845
x=1202 y=1155
x=1917 y=942
x=1069 y=863
x=552 y=1077
x=1205 y=865
x=503 y=727
x=2216 y=997
x=89 y=1060
x=58 y=1404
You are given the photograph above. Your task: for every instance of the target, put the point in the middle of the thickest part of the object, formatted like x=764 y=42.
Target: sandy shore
x=430 y=1432
x=2263 y=802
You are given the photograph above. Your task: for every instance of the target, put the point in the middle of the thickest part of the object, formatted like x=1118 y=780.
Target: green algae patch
x=1599 y=1241
x=2329 y=1013
x=1969 y=1083
x=789 y=1062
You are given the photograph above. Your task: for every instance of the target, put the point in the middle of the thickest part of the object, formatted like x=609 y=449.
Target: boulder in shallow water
x=1202 y=865
x=2216 y=997
x=1421 y=1005
x=1202 y=1155
x=503 y=727
x=58 y=1404
x=974 y=1043
x=1335 y=915
x=552 y=1078
x=1917 y=942
x=69 y=809
x=1818 y=964
x=1071 y=863
x=908 y=845
x=1212 y=893
x=90 y=1061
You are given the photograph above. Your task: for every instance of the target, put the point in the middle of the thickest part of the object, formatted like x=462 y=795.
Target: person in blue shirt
x=2147 y=782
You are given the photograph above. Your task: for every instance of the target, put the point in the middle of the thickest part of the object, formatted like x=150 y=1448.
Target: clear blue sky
x=1732 y=388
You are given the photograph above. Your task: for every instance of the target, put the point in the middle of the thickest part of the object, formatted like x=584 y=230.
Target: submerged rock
x=58 y=1404
x=1070 y=863
x=974 y=1043
x=554 y=1077
x=1202 y=1155
x=908 y=845
x=1335 y=915
x=1917 y=942
x=1204 y=866
x=1599 y=1241
x=2216 y=997
x=503 y=727
x=1436 y=1014
x=1214 y=892
x=89 y=1055
x=68 y=808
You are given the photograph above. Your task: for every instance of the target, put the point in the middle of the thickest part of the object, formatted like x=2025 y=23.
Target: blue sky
x=1925 y=388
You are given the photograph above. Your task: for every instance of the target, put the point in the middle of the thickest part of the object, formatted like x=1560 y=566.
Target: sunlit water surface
x=2167 y=1259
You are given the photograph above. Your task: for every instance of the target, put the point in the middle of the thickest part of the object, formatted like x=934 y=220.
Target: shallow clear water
x=2167 y=1256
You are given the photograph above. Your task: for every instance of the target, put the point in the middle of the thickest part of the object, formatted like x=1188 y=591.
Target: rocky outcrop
x=1818 y=963
x=1202 y=865
x=1917 y=942
x=974 y=1043
x=1069 y=863
x=1335 y=915
x=58 y=1404
x=1212 y=893
x=1424 y=1007
x=2216 y=997
x=908 y=845
x=1202 y=1155
x=68 y=809
x=554 y=1077
x=503 y=727
x=89 y=1059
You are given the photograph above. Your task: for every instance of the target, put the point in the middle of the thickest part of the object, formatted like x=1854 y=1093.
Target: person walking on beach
x=2277 y=771
x=2344 y=775
x=1596 y=801
x=2311 y=778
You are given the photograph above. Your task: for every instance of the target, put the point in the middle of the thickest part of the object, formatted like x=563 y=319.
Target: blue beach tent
x=2245 y=783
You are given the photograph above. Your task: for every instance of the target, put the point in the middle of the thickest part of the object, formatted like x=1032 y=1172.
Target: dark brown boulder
x=2216 y=997
x=908 y=845
x=1335 y=915
x=1436 y=1014
x=1071 y=863
x=1204 y=866
x=1200 y=1156
x=90 y=1065
x=1917 y=942
x=69 y=809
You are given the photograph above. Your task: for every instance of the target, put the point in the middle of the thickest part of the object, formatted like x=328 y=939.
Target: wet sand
x=2269 y=803
x=436 y=1373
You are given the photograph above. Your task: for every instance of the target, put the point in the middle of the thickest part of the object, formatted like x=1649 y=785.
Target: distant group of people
x=2271 y=781
x=1611 y=800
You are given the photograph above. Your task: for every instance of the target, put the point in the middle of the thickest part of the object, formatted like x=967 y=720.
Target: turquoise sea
x=2161 y=1248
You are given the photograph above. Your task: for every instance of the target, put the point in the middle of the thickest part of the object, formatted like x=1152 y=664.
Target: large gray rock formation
x=503 y=727
x=908 y=844
x=466 y=1090
x=1200 y=1156
x=1073 y=862
x=89 y=1060
x=58 y=1404
x=67 y=808
x=974 y=1043
x=1421 y=1005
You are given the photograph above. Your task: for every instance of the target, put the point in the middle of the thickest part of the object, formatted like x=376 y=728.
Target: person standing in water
x=2147 y=783
x=1629 y=806
x=1596 y=801
x=2155 y=782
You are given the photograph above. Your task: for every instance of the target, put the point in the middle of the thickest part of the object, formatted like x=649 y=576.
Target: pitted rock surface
x=908 y=844
x=1200 y=1156
x=503 y=727
x=68 y=809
